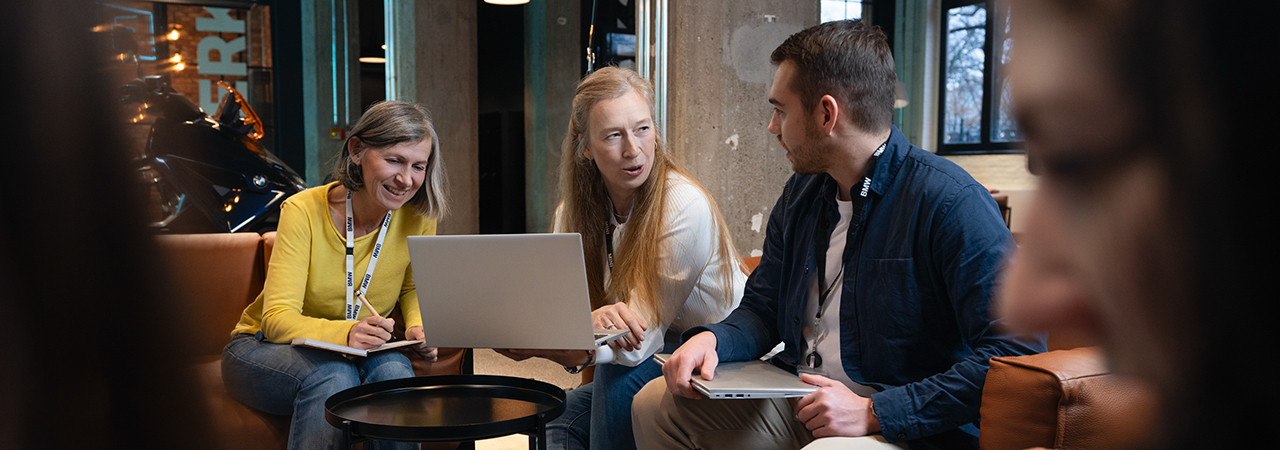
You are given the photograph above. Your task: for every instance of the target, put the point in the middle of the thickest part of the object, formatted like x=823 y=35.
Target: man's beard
x=811 y=156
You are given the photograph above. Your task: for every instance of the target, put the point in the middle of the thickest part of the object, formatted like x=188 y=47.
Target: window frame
x=986 y=146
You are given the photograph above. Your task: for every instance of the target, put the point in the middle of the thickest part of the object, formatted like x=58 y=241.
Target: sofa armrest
x=1063 y=399
x=216 y=276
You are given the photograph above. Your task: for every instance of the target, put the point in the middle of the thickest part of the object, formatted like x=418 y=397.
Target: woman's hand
x=426 y=352
x=567 y=358
x=370 y=332
x=619 y=316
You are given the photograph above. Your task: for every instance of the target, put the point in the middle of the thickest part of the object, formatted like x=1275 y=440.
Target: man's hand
x=567 y=358
x=698 y=353
x=621 y=317
x=834 y=410
x=426 y=352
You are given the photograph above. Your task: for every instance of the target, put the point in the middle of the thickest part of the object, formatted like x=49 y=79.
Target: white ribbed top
x=691 y=284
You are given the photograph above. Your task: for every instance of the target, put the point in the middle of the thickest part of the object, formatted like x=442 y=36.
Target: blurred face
x=797 y=130
x=1098 y=253
x=393 y=174
x=620 y=140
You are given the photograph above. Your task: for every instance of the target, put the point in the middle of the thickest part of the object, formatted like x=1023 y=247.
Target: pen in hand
x=373 y=312
x=365 y=302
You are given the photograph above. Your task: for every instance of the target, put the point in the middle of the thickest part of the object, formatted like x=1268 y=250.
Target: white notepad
x=352 y=350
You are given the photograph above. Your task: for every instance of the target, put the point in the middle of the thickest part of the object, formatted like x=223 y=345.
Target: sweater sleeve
x=751 y=329
x=409 y=291
x=688 y=245
x=286 y=285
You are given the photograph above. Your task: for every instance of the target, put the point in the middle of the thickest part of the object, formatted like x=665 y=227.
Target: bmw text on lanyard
x=814 y=360
x=353 y=306
x=608 y=241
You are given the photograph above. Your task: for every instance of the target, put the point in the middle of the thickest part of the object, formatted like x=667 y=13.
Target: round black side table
x=446 y=408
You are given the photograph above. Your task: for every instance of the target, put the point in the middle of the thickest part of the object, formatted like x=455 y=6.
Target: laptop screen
x=503 y=291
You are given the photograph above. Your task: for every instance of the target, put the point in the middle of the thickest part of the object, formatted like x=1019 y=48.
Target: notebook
x=748 y=379
x=351 y=350
x=508 y=291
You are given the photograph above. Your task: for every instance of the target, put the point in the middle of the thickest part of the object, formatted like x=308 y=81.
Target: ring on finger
x=610 y=326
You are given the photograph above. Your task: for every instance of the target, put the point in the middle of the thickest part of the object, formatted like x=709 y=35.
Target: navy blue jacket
x=915 y=311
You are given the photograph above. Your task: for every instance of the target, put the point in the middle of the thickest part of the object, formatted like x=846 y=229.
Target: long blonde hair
x=586 y=207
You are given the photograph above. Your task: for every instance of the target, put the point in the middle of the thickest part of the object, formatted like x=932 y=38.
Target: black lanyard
x=608 y=244
x=608 y=232
x=822 y=234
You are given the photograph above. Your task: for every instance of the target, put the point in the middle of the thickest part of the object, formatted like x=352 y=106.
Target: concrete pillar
x=400 y=26
x=552 y=68
x=331 y=81
x=718 y=110
x=445 y=81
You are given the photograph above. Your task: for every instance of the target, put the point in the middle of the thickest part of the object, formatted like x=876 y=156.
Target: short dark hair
x=848 y=60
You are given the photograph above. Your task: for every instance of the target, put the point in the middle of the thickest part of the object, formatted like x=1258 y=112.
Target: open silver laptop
x=516 y=291
x=748 y=379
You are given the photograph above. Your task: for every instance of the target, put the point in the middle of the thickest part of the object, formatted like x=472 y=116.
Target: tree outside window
x=976 y=115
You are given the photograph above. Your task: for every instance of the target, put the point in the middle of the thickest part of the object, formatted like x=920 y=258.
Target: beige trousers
x=664 y=421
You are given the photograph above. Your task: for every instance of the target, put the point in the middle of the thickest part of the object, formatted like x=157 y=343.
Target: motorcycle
x=208 y=173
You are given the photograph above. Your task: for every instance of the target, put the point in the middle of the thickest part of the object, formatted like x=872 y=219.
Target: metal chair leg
x=346 y=434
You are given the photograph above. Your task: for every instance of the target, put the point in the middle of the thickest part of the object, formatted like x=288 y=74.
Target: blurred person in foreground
x=94 y=355
x=879 y=262
x=1149 y=124
x=658 y=254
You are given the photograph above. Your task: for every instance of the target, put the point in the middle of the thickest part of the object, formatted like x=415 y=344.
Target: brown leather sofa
x=1062 y=399
x=217 y=276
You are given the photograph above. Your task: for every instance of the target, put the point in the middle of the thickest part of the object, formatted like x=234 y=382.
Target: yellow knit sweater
x=305 y=296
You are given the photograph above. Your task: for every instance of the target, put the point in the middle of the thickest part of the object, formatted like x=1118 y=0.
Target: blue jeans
x=597 y=415
x=286 y=380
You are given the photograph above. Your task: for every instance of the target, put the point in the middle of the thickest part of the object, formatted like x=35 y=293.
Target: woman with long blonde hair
x=658 y=254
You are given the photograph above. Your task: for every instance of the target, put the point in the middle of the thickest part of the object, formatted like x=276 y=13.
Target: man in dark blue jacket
x=879 y=264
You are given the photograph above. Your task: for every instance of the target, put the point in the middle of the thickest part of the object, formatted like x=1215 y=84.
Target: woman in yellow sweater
x=313 y=287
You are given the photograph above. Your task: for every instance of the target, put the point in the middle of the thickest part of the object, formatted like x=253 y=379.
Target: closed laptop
x=748 y=379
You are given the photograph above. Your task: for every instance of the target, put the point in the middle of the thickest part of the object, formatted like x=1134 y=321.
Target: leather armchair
x=1062 y=399
x=216 y=276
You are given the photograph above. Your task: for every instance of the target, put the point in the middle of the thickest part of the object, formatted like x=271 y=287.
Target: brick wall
x=1004 y=172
